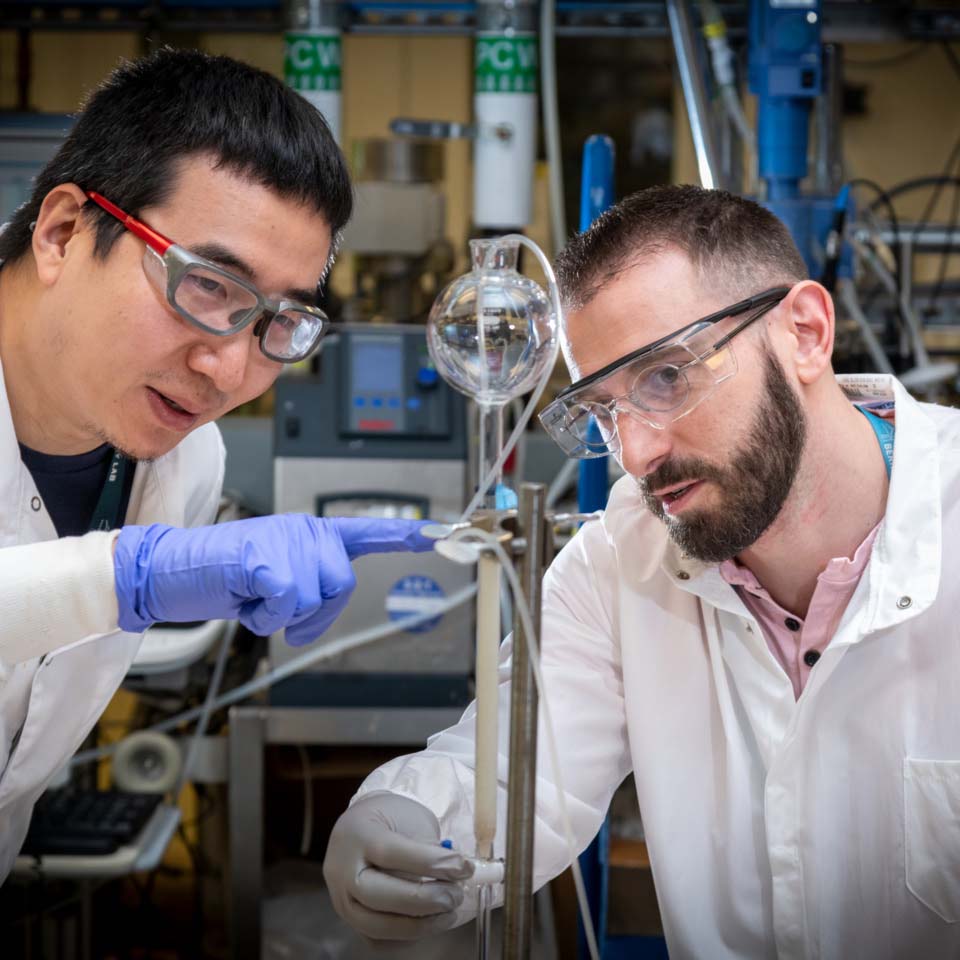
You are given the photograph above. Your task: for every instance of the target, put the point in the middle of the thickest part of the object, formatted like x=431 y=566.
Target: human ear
x=811 y=321
x=57 y=223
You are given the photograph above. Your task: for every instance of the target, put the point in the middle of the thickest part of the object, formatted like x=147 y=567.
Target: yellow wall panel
x=263 y=50
x=912 y=120
x=8 y=69
x=68 y=64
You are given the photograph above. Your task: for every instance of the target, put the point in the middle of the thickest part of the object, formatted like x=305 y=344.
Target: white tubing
x=215 y=680
x=551 y=123
x=487 y=676
x=307 y=659
x=561 y=481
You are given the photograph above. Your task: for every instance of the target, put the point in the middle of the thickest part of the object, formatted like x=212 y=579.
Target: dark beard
x=753 y=488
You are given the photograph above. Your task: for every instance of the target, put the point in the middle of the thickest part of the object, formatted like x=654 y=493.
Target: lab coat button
x=683 y=575
x=904 y=602
x=35 y=504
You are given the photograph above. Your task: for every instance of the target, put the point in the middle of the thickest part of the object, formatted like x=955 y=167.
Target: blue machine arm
x=596 y=195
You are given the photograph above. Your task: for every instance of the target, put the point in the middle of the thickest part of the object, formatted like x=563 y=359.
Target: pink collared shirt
x=797 y=644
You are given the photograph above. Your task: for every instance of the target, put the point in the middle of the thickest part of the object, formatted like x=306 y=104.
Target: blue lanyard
x=884 y=430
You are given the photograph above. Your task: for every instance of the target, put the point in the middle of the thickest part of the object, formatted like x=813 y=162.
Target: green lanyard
x=107 y=513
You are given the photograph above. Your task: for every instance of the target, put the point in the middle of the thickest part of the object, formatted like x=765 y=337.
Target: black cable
x=917 y=183
x=947 y=248
x=935 y=196
x=884 y=200
x=947 y=177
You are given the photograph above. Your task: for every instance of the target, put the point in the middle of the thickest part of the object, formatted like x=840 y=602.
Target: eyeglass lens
x=217 y=303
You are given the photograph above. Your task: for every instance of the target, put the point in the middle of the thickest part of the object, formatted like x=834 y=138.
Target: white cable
x=526 y=618
x=551 y=123
x=212 y=690
x=517 y=431
x=325 y=652
x=306 y=837
x=561 y=481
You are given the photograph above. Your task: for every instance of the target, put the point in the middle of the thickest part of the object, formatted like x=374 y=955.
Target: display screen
x=377 y=365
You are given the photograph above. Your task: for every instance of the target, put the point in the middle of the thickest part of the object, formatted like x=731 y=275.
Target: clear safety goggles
x=219 y=302
x=658 y=384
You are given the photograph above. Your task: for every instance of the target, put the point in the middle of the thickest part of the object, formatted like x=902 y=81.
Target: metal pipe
x=521 y=788
x=694 y=93
x=829 y=119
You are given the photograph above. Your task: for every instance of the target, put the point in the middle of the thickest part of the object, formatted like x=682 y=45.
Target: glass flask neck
x=494 y=254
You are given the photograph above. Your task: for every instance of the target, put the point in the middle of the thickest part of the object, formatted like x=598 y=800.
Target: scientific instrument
x=492 y=334
x=397 y=232
x=377 y=433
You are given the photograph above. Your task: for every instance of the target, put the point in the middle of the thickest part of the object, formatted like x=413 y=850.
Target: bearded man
x=763 y=627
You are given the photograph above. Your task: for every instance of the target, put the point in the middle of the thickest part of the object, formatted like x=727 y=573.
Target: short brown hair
x=741 y=245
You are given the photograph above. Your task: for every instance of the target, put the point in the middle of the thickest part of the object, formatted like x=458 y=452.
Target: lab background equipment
x=895 y=292
x=376 y=432
x=397 y=234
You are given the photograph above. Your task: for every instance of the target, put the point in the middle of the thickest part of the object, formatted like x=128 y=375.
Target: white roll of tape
x=147 y=762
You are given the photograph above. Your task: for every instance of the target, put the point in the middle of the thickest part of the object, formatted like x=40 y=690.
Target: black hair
x=151 y=113
x=735 y=243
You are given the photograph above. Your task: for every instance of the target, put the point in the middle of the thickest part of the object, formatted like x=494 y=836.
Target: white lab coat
x=827 y=827
x=58 y=595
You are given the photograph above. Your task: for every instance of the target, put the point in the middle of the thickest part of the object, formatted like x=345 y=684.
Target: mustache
x=676 y=471
x=203 y=394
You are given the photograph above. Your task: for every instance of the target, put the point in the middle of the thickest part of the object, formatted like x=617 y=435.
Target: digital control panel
x=391 y=386
x=376 y=394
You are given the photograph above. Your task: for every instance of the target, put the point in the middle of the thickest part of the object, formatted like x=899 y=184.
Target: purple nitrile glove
x=290 y=570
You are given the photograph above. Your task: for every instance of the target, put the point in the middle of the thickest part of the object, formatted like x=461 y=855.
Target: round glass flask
x=491 y=332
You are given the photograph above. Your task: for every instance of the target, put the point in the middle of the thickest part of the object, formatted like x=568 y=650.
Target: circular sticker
x=412 y=595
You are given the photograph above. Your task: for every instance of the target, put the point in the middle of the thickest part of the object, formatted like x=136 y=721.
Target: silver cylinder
x=694 y=94
x=397 y=161
x=521 y=789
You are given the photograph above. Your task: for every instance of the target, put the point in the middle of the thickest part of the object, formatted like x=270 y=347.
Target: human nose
x=223 y=360
x=643 y=447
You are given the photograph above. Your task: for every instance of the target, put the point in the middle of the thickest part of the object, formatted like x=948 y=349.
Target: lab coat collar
x=903 y=576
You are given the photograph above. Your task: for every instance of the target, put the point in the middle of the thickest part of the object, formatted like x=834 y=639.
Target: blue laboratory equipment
x=596 y=195
x=786 y=75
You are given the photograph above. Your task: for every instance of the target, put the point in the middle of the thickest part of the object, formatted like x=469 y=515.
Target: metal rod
x=484 y=910
x=694 y=94
x=245 y=805
x=829 y=117
x=521 y=789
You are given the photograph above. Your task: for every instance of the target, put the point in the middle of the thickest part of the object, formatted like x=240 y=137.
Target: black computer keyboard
x=94 y=823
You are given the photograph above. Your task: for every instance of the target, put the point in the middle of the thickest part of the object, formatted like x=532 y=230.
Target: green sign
x=312 y=61
x=505 y=64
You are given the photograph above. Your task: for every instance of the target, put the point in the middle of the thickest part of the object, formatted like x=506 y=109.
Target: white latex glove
x=387 y=874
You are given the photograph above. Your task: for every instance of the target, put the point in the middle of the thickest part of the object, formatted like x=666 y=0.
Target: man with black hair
x=164 y=269
x=763 y=627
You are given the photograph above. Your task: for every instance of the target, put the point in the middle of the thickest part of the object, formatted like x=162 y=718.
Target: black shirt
x=71 y=486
